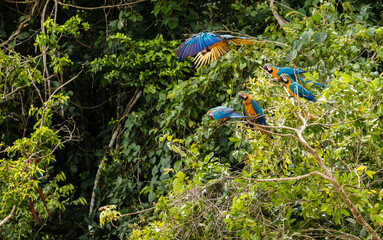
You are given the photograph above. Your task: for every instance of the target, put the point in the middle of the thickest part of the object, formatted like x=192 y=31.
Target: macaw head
x=285 y=79
x=243 y=95
x=209 y=114
x=269 y=68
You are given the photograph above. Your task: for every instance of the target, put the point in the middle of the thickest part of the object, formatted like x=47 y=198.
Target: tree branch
x=130 y=4
x=281 y=179
x=355 y=212
x=116 y=130
x=10 y=215
x=281 y=21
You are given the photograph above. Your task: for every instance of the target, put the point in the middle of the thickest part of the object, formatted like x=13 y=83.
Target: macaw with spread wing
x=224 y=113
x=295 y=89
x=207 y=47
x=294 y=73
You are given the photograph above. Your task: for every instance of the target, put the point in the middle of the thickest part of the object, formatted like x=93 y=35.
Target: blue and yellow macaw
x=295 y=89
x=223 y=113
x=294 y=73
x=252 y=108
x=41 y=193
x=207 y=47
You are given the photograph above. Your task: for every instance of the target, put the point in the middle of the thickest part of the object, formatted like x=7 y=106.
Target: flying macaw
x=251 y=108
x=292 y=72
x=207 y=47
x=41 y=193
x=223 y=113
x=294 y=88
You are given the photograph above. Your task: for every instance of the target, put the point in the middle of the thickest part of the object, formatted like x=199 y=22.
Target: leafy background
x=84 y=83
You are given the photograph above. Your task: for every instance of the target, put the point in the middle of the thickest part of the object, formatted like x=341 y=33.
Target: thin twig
x=280 y=179
x=130 y=4
x=10 y=215
x=116 y=130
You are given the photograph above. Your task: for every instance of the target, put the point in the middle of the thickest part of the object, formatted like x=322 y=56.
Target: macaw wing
x=195 y=44
x=216 y=50
x=289 y=71
x=301 y=92
x=257 y=108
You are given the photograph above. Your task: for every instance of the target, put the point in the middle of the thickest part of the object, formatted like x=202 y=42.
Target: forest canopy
x=105 y=132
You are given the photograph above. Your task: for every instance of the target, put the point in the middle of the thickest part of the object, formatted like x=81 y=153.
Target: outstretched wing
x=195 y=44
x=216 y=50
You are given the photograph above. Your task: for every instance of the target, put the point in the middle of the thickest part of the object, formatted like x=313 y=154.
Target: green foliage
x=166 y=153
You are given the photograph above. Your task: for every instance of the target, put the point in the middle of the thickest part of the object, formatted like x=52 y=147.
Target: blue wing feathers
x=200 y=41
x=257 y=108
x=302 y=92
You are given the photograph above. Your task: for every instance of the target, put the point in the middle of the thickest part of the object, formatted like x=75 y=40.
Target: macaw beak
x=268 y=68
x=209 y=114
x=283 y=79
x=242 y=95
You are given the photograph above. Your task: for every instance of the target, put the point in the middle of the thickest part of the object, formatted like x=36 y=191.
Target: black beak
x=268 y=68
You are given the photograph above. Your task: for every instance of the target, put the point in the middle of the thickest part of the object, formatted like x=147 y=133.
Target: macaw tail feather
x=315 y=83
x=44 y=202
x=33 y=212
x=236 y=115
x=241 y=41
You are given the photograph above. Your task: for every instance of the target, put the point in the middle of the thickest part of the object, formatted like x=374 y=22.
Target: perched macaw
x=251 y=108
x=294 y=73
x=41 y=193
x=294 y=88
x=223 y=113
x=207 y=47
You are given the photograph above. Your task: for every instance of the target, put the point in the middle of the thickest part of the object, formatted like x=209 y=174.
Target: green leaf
x=320 y=37
x=337 y=217
x=370 y=174
x=173 y=22
x=306 y=36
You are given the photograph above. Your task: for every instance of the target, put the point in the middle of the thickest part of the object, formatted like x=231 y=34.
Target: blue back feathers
x=224 y=112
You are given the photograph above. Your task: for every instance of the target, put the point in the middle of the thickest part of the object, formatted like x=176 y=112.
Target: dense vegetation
x=93 y=97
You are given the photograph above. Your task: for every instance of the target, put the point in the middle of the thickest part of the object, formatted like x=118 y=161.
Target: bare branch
x=281 y=179
x=130 y=4
x=354 y=210
x=116 y=130
x=10 y=215
x=22 y=25
x=54 y=92
x=281 y=21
